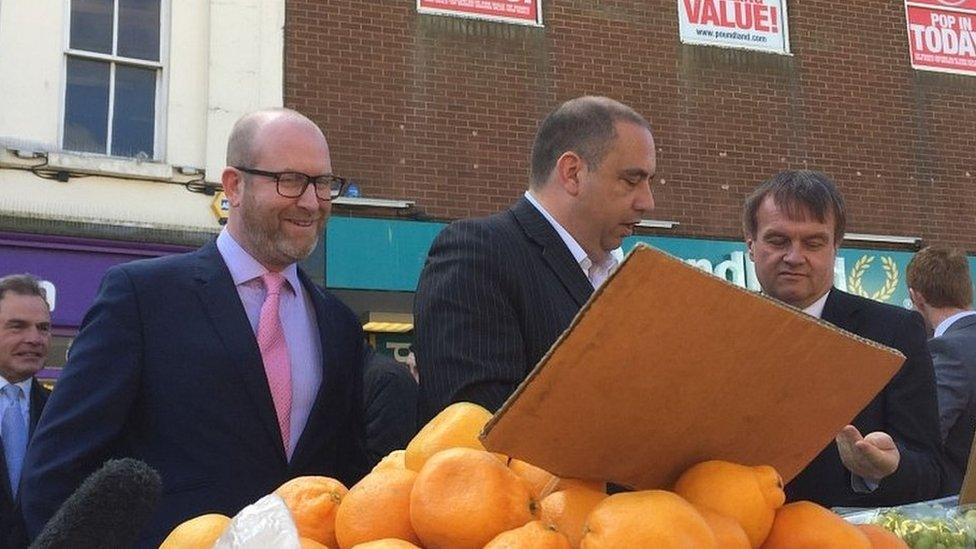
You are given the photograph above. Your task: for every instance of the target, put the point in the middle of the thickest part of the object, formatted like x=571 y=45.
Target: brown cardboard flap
x=667 y=366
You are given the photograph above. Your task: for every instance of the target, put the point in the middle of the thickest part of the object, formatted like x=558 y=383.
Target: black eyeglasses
x=293 y=184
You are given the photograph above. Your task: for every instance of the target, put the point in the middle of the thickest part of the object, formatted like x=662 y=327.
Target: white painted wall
x=222 y=58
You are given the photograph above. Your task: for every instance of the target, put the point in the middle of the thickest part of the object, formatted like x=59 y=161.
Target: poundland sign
x=942 y=35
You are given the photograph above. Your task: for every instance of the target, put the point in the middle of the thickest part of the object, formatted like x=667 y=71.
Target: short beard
x=260 y=232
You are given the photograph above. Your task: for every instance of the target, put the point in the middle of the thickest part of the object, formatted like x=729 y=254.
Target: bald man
x=225 y=369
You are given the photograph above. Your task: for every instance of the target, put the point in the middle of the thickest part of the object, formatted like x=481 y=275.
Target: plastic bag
x=265 y=523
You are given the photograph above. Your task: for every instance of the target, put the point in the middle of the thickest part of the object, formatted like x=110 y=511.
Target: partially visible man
x=794 y=224
x=25 y=334
x=390 y=403
x=495 y=293
x=941 y=289
x=226 y=369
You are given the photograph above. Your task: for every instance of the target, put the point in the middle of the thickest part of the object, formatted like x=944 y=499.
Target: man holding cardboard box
x=890 y=454
x=497 y=292
x=942 y=291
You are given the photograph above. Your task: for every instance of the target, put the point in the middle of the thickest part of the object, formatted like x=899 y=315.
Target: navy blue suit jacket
x=905 y=409
x=166 y=369
x=954 y=358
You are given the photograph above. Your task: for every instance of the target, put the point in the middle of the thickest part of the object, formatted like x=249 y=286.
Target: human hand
x=871 y=457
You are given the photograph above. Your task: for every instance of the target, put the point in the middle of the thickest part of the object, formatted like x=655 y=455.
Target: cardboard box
x=667 y=366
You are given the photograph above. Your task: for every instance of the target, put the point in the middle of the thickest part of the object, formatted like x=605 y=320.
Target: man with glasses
x=225 y=369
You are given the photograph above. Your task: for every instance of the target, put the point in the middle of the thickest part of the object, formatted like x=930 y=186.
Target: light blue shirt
x=595 y=273
x=23 y=402
x=297 y=319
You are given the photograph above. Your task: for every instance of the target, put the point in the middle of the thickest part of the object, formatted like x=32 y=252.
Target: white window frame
x=162 y=78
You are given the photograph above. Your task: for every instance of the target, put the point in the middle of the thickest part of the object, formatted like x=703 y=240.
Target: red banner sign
x=942 y=35
x=524 y=12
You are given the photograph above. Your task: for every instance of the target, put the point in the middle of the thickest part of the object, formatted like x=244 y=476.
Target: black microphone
x=108 y=510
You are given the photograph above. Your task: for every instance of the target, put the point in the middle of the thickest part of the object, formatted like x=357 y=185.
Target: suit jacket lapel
x=38 y=398
x=554 y=250
x=841 y=311
x=316 y=427
x=223 y=304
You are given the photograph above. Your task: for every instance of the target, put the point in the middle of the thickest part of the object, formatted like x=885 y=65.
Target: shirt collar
x=25 y=385
x=242 y=265
x=943 y=326
x=579 y=254
x=816 y=308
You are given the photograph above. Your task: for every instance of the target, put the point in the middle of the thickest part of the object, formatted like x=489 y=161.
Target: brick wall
x=443 y=110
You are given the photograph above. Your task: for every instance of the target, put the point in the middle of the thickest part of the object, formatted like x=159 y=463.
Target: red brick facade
x=443 y=110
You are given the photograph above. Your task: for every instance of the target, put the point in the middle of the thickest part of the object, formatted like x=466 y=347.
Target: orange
x=882 y=538
x=541 y=482
x=650 y=518
x=386 y=544
x=377 y=507
x=200 y=531
x=306 y=543
x=533 y=535
x=457 y=426
x=806 y=525
x=393 y=460
x=313 y=502
x=567 y=510
x=728 y=533
x=462 y=498
x=749 y=495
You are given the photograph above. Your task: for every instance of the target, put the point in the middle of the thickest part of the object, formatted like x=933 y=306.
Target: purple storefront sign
x=73 y=266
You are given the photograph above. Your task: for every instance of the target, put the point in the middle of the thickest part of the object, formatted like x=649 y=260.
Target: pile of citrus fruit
x=445 y=491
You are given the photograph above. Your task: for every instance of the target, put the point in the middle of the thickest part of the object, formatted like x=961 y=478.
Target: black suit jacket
x=166 y=369
x=390 y=399
x=906 y=409
x=954 y=358
x=12 y=533
x=494 y=295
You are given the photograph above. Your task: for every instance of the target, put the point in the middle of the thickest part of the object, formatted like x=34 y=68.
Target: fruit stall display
x=446 y=491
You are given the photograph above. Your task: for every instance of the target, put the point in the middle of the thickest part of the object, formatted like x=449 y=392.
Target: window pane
x=86 y=106
x=139 y=29
x=91 y=25
x=135 y=112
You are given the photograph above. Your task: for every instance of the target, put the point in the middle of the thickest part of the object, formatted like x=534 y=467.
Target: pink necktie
x=274 y=353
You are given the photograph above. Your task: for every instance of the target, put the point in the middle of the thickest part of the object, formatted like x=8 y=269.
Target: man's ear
x=233 y=184
x=568 y=170
x=918 y=300
x=749 y=242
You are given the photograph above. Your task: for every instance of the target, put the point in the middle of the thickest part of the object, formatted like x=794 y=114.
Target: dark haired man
x=941 y=289
x=889 y=454
x=496 y=292
x=25 y=337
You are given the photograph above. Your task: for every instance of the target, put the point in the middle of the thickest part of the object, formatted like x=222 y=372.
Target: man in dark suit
x=25 y=336
x=225 y=369
x=941 y=289
x=390 y=401
x=889 y=454
x=496 y=293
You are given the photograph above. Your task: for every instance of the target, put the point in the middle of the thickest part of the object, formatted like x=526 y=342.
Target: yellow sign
x=220 y=207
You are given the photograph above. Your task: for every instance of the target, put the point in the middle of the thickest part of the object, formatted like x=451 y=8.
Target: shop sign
x=520 y=12
x=748 y=24
x=71 y=269
x=942 y=35
x=382 y=254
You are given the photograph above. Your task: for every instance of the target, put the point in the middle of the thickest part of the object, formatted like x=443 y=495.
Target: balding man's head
x=243 y=145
